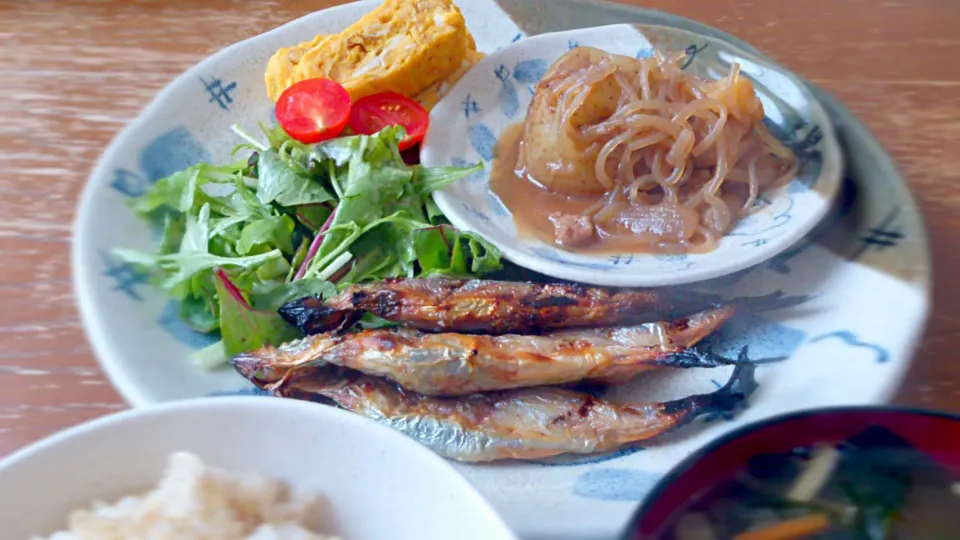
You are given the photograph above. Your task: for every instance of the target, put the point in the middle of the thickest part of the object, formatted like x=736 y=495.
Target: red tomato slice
x=370 y=114
x=313 y=110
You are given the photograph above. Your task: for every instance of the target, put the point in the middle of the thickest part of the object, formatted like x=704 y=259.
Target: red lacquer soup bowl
x=935 y=434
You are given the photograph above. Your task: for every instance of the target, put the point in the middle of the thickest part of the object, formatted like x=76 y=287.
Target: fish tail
x=727 y=399
x=742 y=385
x=685 y=302
x=695 y=357
x=770 y=302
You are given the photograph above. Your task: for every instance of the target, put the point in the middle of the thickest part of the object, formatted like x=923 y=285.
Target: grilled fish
x=458 y=364
x=477 y=306
x=530 y=423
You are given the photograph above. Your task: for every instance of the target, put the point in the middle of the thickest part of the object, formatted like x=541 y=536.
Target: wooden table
x=73 y=72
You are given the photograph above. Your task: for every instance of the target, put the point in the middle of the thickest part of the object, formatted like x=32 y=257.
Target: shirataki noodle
x=668 y=162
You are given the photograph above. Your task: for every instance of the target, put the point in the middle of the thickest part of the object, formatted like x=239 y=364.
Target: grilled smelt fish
x=530 y=423
x=477 y=306
x=458 y=364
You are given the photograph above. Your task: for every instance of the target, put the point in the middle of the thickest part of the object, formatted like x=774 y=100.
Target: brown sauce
x=532 y=205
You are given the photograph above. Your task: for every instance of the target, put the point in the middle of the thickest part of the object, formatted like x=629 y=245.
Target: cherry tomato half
x=313 y=110
x=370 y=114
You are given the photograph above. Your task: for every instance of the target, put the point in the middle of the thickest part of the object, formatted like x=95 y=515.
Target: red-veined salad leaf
x=289 y=221
x=242 y=327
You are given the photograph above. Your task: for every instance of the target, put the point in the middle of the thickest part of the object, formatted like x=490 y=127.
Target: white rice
x=196 y=502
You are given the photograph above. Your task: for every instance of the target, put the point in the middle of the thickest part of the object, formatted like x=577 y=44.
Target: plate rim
x=109 y=359
x=447 y=203
x=82 y=275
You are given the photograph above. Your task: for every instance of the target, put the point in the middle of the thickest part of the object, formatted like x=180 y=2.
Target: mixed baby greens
x=295 y=220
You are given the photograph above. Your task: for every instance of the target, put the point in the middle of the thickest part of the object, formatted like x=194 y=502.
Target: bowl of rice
x=237 y=468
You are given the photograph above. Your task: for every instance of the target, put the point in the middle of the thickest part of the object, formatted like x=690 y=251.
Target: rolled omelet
x=418 y=48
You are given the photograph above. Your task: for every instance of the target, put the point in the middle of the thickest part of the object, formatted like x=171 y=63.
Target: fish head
x=311 y=316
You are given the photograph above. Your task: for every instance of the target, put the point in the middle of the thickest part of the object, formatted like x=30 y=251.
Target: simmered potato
x=551 y=153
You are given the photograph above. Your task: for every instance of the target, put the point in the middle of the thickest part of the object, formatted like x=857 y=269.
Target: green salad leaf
x=244 y=328
x=379 y=188
x=265 y=233
x=240 y=240
x=280 y=181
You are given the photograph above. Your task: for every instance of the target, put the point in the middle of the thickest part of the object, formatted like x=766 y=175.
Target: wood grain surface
x=73 y=72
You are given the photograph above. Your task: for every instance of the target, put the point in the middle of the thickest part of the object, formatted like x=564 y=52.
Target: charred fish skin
x=476 y=306
x=311 y=316
x=524 y=424
x=463 y=364
x=500 y=307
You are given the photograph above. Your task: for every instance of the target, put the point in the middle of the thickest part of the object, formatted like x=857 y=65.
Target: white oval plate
x=495 y=94
x=865 y=269
x=378 y=483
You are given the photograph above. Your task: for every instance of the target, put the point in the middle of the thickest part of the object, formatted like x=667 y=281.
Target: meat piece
x=573 y=231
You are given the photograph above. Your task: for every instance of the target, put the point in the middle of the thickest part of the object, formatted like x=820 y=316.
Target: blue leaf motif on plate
x=496 y=205
x=474 y=212
x=462 y=163
x=645 y=53
x=570 y=460
x=169 y=320
x=764 y=338
x=469 y=106
x=779 y=263
x=887 y=234
x=508 y=99
x=681 y=261
x=129 y=183
x=126 y=277
x=751 y=226
x=622 y=260
x=758 y=242
x=515 y=39
x=482 y=140
x=796 y=187
x=530 y=71
x=811 y=167
x=615 y=484
x=692 y=51
x=670 y=257
x=220 y=93
x=804 y=139
x=553 y=257
x=171 y=152
x=849 y=338
x=251 y=391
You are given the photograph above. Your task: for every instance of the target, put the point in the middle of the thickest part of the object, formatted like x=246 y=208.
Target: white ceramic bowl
x=495 y=94
x=379 y=484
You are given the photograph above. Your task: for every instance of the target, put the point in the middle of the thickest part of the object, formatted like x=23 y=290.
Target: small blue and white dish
x=496 y=93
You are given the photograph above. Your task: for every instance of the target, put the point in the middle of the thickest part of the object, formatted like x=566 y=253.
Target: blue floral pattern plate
x=862 y=276
x=495 y=94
